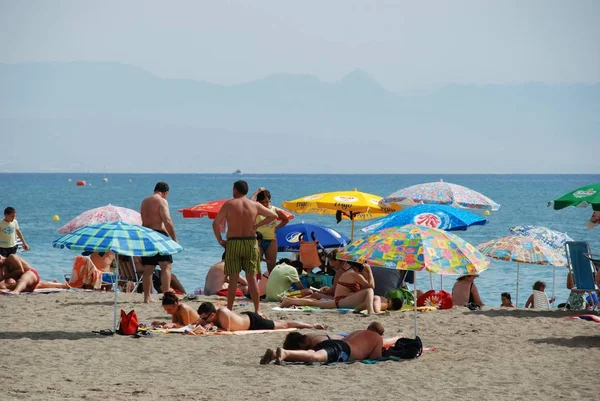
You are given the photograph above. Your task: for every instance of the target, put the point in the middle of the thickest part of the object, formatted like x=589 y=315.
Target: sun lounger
x=581 y=267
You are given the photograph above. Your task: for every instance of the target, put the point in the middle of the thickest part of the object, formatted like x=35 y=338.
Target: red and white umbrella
x=103 y=214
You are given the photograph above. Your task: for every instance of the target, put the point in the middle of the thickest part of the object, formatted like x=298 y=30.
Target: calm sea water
x=38 y=197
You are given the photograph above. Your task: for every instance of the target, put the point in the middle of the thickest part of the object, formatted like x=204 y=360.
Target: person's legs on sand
x=253 y=289
x=300 y=356
x=165 y=276
x=292 y=324
x=271 y=255
x=26 y=280
x=233 y=279
x=147 y=282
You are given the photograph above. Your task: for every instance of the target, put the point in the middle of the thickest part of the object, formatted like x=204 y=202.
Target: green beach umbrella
x=581 y=197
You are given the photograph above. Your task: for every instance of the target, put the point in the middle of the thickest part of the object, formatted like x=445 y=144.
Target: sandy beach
x=50 y=353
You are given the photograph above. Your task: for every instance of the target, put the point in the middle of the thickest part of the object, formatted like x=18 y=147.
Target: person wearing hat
x=465 y=293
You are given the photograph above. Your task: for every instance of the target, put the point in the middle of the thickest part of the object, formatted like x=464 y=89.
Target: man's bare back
x=151 y=212
x=240 y=215
x=230 y=321
x=365 y=344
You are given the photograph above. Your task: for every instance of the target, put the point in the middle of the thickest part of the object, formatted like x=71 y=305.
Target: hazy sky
x=401 y=44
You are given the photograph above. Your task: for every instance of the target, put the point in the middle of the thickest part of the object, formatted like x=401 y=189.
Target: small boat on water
x=237 y=172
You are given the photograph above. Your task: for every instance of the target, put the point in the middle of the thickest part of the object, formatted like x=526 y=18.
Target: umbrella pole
x=517 y=298
x=352 y=234
x=415 y=290
x=431 y=280
x=441 y=282
x=553 y=282
x=116 y=290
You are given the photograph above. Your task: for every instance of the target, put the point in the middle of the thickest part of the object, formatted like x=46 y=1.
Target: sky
x=403 y=45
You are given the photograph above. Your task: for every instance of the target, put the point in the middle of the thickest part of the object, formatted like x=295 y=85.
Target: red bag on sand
x=129 y=323
x=223 y=293
x=441 y=299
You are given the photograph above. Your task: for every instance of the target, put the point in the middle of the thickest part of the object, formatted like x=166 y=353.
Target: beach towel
x=190 y=329
x=365 y=361
x=440 y=299
x=591 y=318
x=311 y=309
x=85 y=273
x=223 y=293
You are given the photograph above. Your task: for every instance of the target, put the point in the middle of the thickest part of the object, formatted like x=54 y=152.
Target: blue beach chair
x=581 y=267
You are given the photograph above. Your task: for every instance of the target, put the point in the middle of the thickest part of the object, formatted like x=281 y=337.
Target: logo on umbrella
x=428 y=219
x=584 y=194
x=313 y=197
x=346 y=198
x=293 y=237
x=334 y=233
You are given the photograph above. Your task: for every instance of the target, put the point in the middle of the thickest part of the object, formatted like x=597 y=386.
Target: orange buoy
x=81 y=183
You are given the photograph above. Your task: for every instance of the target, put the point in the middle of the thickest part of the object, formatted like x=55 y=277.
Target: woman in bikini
x=16 y=276
x=268 y=242
x=183 y=314
x=465 y=291
x=353 y=289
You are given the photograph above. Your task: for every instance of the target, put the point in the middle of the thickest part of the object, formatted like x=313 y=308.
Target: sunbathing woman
x=182 y=314
x=16 y=276
x=354 y=289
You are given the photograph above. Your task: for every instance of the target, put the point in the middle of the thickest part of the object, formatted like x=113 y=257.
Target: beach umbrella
x=445 y=218
x=416 y=248
x=354 y=205
x=288 y=237
x=102 y=214
x=522 y=250
x=121 y=238
x=441 y=193
x=581 y=197
x=211 y=209
x=554 y=239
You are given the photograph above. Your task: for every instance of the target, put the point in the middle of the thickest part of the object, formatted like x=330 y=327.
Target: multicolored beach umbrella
x=103 y=214
x=288 y=237
x=554 y=239
x=445 y=218
x=355 y=205
x=441 y=193
x=121 y=238
x=581 y=197
x=413 y=247
x=522 y=250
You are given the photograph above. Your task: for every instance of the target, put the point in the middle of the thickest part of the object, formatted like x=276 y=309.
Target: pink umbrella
x=103 y=214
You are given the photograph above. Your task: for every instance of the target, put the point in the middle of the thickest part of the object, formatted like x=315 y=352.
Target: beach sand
x=50 y=353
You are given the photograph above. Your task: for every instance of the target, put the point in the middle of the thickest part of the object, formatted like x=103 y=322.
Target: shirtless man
x=298 y=341
x=155 y=215
x=241 y=246
x=357 y=346
x=227 y=320
x=216 y=280
x=16 y=276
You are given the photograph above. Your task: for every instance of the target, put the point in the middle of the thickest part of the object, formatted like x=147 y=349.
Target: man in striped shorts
x=241 y=246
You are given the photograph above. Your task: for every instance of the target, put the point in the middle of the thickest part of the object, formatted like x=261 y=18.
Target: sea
x=523 y=200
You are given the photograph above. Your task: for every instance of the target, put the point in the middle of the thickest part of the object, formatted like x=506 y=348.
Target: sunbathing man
x=227 y=320
x=299 y=341
x=182 y=314
x=16 y=276
x=357 y=346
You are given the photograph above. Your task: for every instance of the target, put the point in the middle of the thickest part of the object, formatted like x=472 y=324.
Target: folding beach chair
x=540 y=300
x=309 y=255
x=128 y=274
x=581 y=267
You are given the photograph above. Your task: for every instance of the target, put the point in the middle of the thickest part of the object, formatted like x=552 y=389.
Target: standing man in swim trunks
x=155 y=215
x=241 y=246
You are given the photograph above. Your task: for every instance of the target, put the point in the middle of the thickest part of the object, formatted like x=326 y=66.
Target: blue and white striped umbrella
x=121 y=238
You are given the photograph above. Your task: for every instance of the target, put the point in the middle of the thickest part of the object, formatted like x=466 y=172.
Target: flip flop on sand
x=267 y=357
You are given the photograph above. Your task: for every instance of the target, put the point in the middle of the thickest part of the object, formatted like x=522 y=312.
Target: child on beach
x=539 y=299
x=506 y=301
x=9 y=230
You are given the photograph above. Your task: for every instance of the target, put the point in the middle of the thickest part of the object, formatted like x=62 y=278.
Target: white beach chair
x=540 y=300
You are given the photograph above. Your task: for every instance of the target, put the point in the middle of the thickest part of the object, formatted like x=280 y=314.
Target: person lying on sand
x=17 y=275
x=358 y=345
x=183 y=314
x=227 y=320
x=298 y=341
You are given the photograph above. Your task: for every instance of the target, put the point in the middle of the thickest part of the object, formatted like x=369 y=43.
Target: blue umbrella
x=288 y=237
x=121 y=238
x=435 y=216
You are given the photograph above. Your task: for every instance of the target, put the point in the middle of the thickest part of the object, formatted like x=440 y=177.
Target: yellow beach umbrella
x=354 y=205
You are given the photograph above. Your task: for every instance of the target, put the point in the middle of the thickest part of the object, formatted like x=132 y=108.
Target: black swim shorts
x=257 y=322
x=154 y=260
x=337 y=350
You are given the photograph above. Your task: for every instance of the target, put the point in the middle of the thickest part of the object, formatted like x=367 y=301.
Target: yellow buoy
x=105 y=179
x=487 y=213
x=55 y=218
